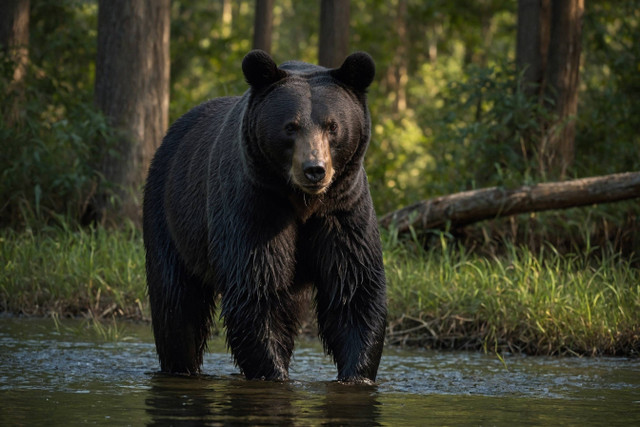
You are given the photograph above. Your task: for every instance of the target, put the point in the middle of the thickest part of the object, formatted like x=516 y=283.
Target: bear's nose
x=314 y=171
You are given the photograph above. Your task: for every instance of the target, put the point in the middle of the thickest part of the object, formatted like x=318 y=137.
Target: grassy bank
x=538 y=303
x=67 y=272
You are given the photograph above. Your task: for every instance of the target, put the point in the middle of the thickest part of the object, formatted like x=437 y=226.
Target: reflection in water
x=194 y=400
x=178 y=399
x=348 y=404
x=255 y=400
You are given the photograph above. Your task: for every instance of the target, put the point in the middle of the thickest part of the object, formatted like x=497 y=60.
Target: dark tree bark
x=334 y=32
x=132 y=89
x=548 y=50
x=528 y=47
x=263 y=24
x=488 y=203
x=563 y=70
x=14 y=43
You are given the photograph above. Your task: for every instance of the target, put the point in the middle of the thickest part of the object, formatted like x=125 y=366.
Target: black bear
x=252 y=199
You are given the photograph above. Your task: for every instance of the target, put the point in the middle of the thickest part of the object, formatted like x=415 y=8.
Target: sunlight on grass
x=538 y=303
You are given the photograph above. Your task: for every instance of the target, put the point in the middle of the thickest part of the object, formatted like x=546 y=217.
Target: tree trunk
x=477 y=205
x=132 y=89
x=334 y=33
x=563 y=67
x=532 y=47
x=548 y=52
x=14 y=42
x=528 y=46
x=263 y=24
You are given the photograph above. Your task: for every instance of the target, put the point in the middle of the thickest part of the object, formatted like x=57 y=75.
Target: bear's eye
x=291 y=128
x=332 y=127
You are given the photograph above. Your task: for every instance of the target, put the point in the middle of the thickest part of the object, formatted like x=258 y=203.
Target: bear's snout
x=311 y=170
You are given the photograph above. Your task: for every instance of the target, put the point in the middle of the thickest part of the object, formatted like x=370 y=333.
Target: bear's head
x=305 y=125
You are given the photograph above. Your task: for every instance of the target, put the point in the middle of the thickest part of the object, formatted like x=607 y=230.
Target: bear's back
x=185 y=153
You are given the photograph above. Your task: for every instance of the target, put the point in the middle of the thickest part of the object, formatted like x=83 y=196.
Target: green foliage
x=481 y=129
x=46 y=163
x=607 y=136
x=47 y=166
x=206 y=55
x=468 y=123
x=490 y=129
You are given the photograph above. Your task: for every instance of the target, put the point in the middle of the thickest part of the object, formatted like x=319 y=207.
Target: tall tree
x=548 y=53
x=532 y=23
x=14 y=43
x=132 y=89
x=334 y=32
x=263 y=24
x=562 y=77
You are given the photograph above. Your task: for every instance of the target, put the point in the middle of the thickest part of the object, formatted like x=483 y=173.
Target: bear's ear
x=260 y=70
x=357 y=71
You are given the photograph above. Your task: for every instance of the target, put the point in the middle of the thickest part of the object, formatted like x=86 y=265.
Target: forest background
x=451 y=110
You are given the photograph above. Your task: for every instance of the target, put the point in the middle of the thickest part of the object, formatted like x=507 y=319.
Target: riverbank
x=535 y=303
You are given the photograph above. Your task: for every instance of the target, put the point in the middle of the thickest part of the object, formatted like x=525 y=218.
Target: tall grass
x=73 y=271
x=537 y=303
x=541 y=302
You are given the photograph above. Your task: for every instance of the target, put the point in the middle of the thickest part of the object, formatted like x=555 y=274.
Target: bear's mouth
x=313 y=188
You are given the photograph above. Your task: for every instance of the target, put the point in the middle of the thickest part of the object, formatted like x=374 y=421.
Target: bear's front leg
x=351 y=294
x=261 y=329
x=259 y=305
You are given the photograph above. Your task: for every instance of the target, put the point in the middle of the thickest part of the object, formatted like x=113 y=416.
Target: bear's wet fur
x=251 y=200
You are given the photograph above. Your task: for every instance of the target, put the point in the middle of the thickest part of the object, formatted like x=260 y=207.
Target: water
x=65 y=375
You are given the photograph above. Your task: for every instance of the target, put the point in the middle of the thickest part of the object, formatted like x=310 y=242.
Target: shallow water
x=62 y=375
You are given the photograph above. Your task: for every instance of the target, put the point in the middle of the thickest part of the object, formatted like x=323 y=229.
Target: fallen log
x=476 y=205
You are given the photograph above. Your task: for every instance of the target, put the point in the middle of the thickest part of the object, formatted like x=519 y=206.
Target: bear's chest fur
x=304 y=206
